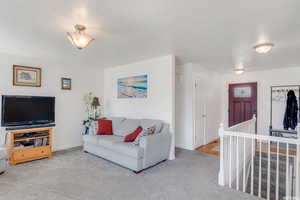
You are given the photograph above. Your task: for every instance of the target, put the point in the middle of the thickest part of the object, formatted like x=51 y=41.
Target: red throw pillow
x=104 y=127
x=131 y=137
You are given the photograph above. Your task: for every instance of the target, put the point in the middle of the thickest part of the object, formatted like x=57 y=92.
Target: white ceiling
x=216 y=34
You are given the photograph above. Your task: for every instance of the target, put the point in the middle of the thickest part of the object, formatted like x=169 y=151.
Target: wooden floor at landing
x=210 y=148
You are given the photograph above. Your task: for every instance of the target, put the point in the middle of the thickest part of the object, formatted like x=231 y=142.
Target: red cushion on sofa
x=131 y=137
x=104 y=127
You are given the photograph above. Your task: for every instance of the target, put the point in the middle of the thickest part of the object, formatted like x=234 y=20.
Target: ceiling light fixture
x=78 y=38
x=239 y=71
x=263 y=48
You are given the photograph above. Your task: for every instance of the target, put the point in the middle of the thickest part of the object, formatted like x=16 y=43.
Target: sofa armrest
x=156 y=148
x=3 y=159
x=3 y=152
x=3 y=138
x=3 y=148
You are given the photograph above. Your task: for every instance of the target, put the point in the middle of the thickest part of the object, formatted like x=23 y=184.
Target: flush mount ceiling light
x=263 y=48
x=239 y=70
x=79 y=38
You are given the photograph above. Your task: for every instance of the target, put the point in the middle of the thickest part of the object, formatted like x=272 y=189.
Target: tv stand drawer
x=31 y=154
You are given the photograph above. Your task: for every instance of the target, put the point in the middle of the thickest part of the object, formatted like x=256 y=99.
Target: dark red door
x=242 y=102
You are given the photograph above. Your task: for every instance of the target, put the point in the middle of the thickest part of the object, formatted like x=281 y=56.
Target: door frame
x=195 y=78
x=228 y=96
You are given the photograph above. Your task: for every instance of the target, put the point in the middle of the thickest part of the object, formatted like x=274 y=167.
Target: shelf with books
x=32 y=138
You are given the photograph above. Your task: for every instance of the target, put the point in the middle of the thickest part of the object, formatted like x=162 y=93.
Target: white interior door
x=200 y=113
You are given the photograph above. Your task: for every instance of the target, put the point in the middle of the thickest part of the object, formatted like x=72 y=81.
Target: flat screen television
x=27 y=110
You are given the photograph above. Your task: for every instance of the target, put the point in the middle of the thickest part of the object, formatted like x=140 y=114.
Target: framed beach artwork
x=133 y=87
x=27 y=76
x=66 y=83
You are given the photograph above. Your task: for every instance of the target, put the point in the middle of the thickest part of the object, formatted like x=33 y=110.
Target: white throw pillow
x=148 y=131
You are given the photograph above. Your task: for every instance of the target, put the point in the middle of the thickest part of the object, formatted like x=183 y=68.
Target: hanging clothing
x=291 y=111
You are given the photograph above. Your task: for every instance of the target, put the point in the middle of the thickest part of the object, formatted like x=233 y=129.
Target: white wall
x=184 y=108
x=69 y=106
x=265 y=79
x=185 y=105
x=161 y=91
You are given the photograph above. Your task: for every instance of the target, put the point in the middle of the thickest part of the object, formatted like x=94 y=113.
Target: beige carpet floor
x=80 y=176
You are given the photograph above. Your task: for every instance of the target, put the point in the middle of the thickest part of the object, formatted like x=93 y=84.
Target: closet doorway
x=242 y=102
x=200 y=112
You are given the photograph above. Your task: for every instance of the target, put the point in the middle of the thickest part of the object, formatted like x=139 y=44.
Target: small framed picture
x=66 y=83
x=27 y=76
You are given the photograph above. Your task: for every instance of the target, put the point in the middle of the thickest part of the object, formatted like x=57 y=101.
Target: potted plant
x=92 y=106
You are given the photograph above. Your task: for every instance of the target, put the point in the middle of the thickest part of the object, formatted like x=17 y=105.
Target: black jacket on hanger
x=291 y=111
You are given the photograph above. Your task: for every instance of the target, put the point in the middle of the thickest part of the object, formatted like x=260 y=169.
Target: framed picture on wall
x=27 y=76
x=66 y=83
x=133 y=87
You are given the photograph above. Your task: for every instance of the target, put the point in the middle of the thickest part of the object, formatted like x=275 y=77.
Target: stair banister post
x=221 y=172
x=255 y=124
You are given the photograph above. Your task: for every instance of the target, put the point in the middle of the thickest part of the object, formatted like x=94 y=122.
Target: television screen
x=27 y=110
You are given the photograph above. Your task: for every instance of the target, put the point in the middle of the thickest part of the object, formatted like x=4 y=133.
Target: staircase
x=262 y=165
x=277 y=171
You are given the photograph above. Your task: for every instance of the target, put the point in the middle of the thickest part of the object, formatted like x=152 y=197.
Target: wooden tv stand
x=40 y=138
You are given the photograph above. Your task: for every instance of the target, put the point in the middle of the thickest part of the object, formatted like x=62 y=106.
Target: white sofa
x=151 y=149
x=2 y=159
x=3 y=155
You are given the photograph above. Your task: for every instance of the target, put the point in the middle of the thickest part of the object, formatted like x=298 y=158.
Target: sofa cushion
x=116 y=121
x=109 y=141
x=127 y=126
x=115 y=143
x=146 y=123
x=104 y=127
x=103 y=140
x=129 y=149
